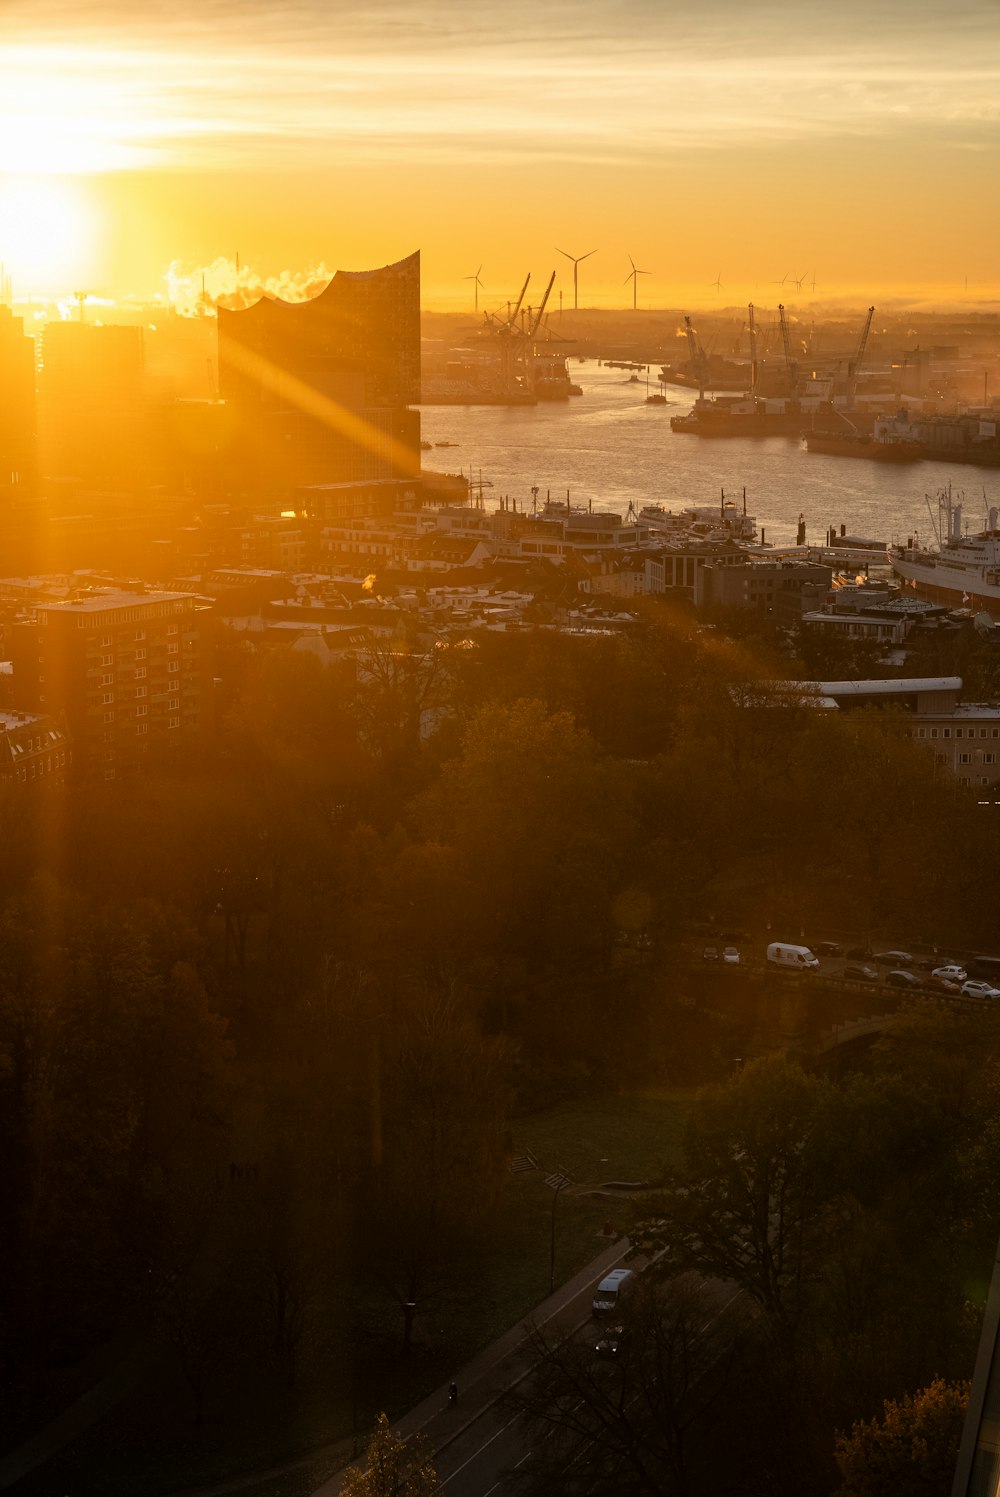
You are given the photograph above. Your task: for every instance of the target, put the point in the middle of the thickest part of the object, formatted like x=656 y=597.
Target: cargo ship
x=855 y=444
x=744 y=416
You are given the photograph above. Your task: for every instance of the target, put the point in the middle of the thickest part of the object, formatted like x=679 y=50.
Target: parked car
x=731 y=955
x=710 y=954
x=900 y=979
x=976 y=989
x=827 y=948
x=952 y=971
x=859 y=954
x=892 y=958
x=860 y=973
x=943 y=984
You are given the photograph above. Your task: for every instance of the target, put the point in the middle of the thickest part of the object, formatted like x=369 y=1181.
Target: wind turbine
x=576 y=261
x=477 y=285
x=799 y=281
x=717 y=283
x=633 y=276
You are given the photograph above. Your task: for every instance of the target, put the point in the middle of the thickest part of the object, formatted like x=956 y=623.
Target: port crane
x=696 y=354
x=792 y=365
x=534 y=323
x=854 y=368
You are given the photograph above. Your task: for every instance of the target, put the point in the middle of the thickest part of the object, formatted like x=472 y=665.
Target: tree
x=911 y=1451
x=393 y=1468
x=749 y=1199
x=641 y=1418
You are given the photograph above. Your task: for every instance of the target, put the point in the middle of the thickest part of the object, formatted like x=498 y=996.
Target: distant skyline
x=851 y=144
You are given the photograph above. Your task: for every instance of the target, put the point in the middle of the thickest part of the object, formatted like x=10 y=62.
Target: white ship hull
x=950 y=583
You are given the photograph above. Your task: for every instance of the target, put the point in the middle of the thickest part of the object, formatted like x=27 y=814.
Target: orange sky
x=849 y=144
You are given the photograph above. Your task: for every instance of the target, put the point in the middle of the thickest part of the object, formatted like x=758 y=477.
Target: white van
x=781 y=954
x=612 y=1289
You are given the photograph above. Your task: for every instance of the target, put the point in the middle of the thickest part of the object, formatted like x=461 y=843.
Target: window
x=985 y=780
x=921 y=732
x=107 y=639
x=109 y=717
x=173 y=704
x=41 y=660
x=140 y=654
x=140 y=634
x=173 y=665
x=964 y=780
x=982 y=732
x=173 y=722
x=172 y=649
x=107 y=660
x=140 y=712
x=945 y=732
x=964 y=758
x=140 y=728
x=140 y=673
x=109 y=735
x=108 y=680
x=933 y=732
x=989 y=758
x=106 y=698
x=171 y=628
x=140 y=691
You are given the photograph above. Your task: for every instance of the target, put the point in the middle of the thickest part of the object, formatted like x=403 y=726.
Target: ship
x=724 y=521
x=745 y=416
x=855 y=444
x=963 y=571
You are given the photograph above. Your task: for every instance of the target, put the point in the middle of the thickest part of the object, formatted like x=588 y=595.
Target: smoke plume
x=227 y=283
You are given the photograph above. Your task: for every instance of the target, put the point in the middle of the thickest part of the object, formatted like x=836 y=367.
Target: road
x=475 y=1442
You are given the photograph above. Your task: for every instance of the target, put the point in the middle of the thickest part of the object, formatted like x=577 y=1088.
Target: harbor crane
x=854 y=368
x=793 y=368
x=534 y=323
x=696 y=354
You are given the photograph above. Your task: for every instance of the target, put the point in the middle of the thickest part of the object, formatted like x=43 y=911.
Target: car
x=943 y=984
x=975 y=989
x=731 y=955
x=859 y=954
x=900 y=979
x=953 y=972
x=710 y=954
x=892 y=958
x=859 y=973
x=827 y=948
x=610 y=1342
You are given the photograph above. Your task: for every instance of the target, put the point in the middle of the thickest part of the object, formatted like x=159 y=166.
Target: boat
x=656 y=400
x=745 y=416
x=722 y=521
x=963 y=571
x=854 y=444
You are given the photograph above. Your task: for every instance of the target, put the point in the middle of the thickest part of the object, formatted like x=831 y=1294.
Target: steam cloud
x=227 y=284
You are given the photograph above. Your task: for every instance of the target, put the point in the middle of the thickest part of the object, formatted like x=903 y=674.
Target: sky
x=852 y=147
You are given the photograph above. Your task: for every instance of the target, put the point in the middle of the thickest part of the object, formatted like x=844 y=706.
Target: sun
x=46 y=233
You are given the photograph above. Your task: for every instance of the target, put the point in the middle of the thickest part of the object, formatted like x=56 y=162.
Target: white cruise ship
x=964 y=570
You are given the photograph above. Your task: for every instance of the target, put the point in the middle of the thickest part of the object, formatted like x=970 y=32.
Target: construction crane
x=854 y=368
x=793 y=368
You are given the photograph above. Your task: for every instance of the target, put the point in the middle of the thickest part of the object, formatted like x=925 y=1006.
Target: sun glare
x=46 y=233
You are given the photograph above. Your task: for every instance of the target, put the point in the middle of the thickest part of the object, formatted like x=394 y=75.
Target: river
x=609 y=448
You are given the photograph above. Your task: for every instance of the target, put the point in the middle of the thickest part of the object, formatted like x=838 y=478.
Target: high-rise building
x=91 y=405
x=17 y=405
x=127 y=671
x=322 y=388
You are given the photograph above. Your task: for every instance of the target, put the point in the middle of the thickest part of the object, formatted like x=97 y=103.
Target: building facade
x=126 y=671
x=322 y=389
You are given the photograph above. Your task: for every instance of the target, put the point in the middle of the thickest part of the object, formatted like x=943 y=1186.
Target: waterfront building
x=322 y=389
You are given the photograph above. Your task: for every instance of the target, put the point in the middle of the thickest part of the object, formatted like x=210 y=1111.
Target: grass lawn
x=148 y=1444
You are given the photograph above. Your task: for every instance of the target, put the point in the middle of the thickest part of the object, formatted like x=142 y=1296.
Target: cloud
x=220 y=84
